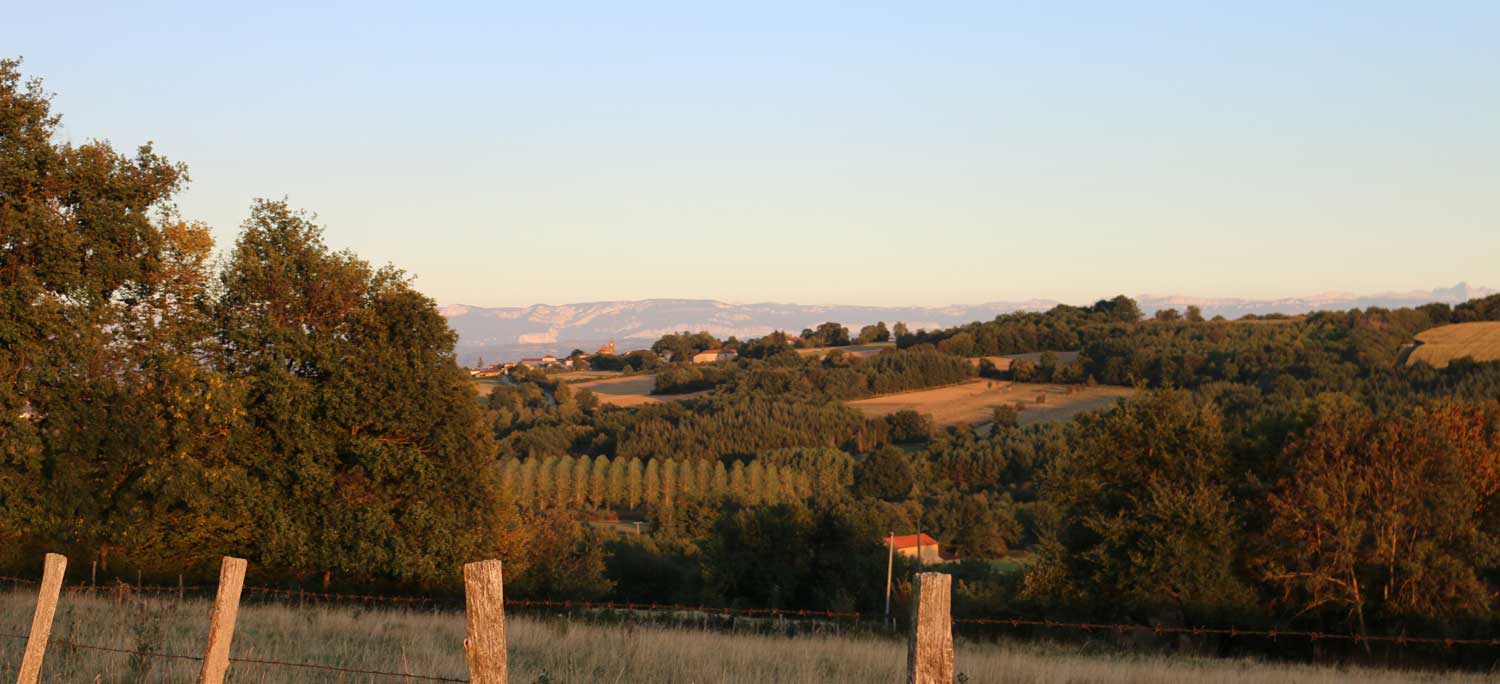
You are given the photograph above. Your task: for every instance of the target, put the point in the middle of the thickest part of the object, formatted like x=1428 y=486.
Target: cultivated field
x=633 y=390
x=1440 y=345
x=559 y=651
x=972 y=402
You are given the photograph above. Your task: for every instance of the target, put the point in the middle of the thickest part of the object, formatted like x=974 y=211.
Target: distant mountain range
x=508 y=333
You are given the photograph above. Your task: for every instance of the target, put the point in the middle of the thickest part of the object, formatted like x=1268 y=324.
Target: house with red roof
x=919 y=546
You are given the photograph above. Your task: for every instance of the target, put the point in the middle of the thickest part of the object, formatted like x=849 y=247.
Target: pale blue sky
x=903 y=153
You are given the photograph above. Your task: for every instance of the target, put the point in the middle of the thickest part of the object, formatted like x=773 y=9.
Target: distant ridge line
x=501 y=333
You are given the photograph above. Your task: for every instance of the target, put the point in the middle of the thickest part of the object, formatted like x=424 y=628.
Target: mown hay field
x=973 y=402
x=558 y=651
x=1439 y=346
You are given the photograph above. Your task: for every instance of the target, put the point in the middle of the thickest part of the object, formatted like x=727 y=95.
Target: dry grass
x=972 y=402
x=1440 y=345
x=556 y=650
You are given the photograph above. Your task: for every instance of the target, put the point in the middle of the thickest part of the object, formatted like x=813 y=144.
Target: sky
x=508 y=154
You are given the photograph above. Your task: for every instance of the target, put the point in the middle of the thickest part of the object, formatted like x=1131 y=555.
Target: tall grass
x=557 y=651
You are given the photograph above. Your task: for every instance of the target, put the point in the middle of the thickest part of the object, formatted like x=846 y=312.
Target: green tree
x=1148 y=524
x=635 y=485
x=583 y=469
x=599 y=481
x=830 y=471
x=670 y=470
x=874 y=333
x=360 y=419
x=885 y=474
x=617 y=495
x=84 y=250
x=652 y=494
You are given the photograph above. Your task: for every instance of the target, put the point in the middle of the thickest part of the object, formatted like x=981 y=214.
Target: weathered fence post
x=929 y=651
x=221 y=624
x=41 y=620
x=484 y=608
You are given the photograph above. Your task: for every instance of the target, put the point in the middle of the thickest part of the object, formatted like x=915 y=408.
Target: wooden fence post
x=41 y=620
x=929 y=650
x=221 y=624
x=484 y=608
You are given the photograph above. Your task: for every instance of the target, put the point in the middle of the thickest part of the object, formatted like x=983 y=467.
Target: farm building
x=547 y=361
x=918 y=546
x=493 y=371
x=712 y=355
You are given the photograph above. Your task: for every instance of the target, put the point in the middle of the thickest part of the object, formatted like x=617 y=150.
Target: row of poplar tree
x=626 y=482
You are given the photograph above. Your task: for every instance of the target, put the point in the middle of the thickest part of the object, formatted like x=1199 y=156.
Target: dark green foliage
x=828 y=334
x=885 y=474
x=830 y=472
x=681 y=347
x=636 y=361
x=693 y=378
x=873 y=333
x=790 y=555
x=908 y=426
x=1485 y=309
x=1147 y=525
x=973 y=525
x=356 y=410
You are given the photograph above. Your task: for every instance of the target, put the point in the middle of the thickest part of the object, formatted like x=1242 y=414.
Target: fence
x=929 y=654
x=929 y=659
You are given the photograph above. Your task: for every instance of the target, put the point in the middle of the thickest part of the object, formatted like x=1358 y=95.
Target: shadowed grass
x=430 y=643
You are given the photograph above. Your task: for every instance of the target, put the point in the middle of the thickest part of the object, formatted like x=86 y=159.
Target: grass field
x=558 y=651
x=632 y=390
x=484 y=385
x=860 y=350
x=1440 y=345
x=972 y=402
x=1003 y=362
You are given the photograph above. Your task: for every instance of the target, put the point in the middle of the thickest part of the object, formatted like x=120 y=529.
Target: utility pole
x=890 y=562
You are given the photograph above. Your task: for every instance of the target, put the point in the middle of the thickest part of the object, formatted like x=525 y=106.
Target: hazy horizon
x=899 y=155
x=1482 y=289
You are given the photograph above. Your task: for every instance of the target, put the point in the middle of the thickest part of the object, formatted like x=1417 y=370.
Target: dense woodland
x=292 y=404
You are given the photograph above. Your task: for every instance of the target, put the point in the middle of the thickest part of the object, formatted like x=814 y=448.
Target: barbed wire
x=246 y=661
x=1232 y=632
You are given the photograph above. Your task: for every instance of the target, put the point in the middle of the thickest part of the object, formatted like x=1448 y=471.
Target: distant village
x=579 y=360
